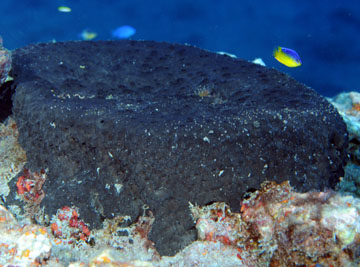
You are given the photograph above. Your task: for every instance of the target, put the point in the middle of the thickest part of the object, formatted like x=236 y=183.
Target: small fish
x=87 y=35
x=123 y=32
x=64 y=9
x=287 y=56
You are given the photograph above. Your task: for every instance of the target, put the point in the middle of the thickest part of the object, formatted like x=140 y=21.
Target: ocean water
x=326 y=34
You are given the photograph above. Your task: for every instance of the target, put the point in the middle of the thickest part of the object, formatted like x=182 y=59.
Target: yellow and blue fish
x=287 y=56
x=87 y=35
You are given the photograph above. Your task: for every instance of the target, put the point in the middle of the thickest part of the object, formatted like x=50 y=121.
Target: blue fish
x=123 y=32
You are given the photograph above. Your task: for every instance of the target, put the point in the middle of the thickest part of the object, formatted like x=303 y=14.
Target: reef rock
x=348 y=106
x=119 y=125
x=280 y=227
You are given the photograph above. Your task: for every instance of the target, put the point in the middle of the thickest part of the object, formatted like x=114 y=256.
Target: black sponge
x=120 y=124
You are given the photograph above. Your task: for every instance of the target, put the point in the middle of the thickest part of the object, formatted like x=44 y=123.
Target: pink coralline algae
x=280 y=227
x=5 y=63
x=67 y=227
x=29 y=186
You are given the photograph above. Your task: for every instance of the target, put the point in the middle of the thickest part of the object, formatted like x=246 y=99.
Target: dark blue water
x=325 y=33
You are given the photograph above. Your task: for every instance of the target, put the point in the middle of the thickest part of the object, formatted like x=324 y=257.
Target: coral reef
x=283 y=228
x=350 y=183
x=5 y=63
x=67 y=227
x=12 y=156
x=275 y=227
x=22 y=245
x=29 y=190
x=348 y=106
x=29 y=186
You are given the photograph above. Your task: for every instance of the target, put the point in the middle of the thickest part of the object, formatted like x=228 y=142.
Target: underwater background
x=133 y=176
x=326 y=34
